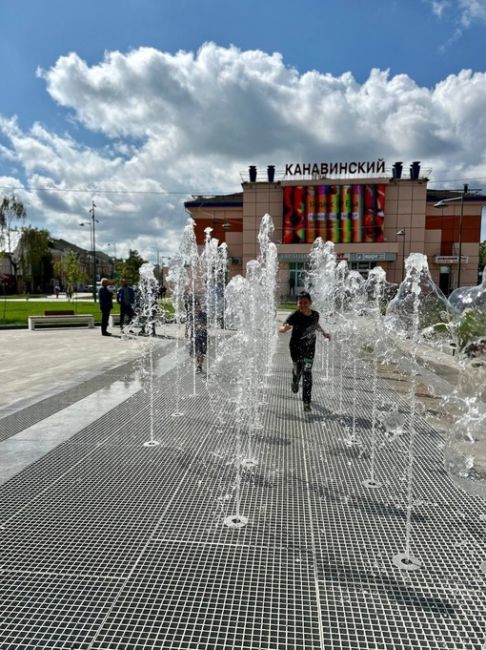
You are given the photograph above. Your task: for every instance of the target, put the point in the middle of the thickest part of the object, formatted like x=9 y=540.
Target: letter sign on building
x=336 y=168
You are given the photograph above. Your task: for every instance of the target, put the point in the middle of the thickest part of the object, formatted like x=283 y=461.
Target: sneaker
x=295 y=385
x=307 y=407
x=199 y=369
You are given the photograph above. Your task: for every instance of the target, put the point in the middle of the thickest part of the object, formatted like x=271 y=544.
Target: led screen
x=339 y=213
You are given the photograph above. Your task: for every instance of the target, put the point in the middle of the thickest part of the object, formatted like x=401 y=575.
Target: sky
x=136 y=105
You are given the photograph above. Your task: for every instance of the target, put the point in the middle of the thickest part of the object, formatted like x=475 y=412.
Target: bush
x=469 y=327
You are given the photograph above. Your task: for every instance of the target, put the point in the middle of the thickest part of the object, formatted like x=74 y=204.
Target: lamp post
x=92 y=226
x=402 y=233
x=442 y=204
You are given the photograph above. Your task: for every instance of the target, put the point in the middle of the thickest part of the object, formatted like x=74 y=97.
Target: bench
x=114 y=320
x=60 y=318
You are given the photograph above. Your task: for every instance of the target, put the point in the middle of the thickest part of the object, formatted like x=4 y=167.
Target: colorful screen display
x=344 y=214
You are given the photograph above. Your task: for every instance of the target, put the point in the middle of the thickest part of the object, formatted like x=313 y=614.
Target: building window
x=363 y=267
x=296 y=277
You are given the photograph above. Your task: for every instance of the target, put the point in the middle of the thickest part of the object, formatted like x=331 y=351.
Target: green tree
x=482 y=254
x=11 y=210
x=36 y=259
x=129 y=268
x=70 y=271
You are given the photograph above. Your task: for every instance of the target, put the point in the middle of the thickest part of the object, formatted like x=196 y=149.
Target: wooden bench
x=61 y=318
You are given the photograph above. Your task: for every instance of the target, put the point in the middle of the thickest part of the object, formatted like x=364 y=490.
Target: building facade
x=375 y=218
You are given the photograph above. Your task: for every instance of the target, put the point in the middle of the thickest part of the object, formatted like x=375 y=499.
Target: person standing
x=304 y=323
x=291 y=285
x=105 y=298
x=125 y=297
x=198 y=327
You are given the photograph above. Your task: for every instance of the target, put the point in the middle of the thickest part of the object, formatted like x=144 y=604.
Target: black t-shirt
x=303 y=338
x=201 y=325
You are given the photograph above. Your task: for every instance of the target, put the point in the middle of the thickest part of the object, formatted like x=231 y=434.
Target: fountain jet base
x=235 y=521
x=151 y=443
x=249 y=463
x=406 y=562
x=370 y=483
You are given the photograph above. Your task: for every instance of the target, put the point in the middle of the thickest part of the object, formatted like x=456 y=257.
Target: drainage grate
x=214 y=596
x=110 y=544
x=49 y=611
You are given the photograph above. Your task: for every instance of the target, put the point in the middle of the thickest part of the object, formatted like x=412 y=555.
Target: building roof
x=220 y=201
x=63 y=245
x=236 y=200
x=433 y=196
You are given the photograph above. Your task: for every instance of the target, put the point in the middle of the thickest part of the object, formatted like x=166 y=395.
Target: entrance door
x=296 y=278
x=445 y=279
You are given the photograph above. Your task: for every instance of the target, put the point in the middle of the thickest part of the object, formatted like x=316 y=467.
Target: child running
x=304 y=323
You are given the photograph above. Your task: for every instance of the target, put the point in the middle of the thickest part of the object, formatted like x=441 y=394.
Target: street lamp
x=91 y=224
x=402 y=233
x=443 y=204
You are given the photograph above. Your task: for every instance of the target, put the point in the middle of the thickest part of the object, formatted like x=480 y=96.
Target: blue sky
x=152 y=120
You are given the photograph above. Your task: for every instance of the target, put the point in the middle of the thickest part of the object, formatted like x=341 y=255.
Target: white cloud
x=462 y=14
x=439 y=6
x=176 y=124
x=472 y=10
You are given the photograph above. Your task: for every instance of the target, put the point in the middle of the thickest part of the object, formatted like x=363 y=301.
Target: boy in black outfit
x=199 y=334
x=304 y=323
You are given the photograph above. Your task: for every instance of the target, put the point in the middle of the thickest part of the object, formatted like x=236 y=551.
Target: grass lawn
x=15 y=313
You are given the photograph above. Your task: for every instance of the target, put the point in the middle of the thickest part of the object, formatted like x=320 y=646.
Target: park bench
x=114 y=320
x=60 y=318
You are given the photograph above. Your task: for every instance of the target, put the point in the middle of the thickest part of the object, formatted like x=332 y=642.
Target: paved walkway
x=36 y=364
x=108 y=542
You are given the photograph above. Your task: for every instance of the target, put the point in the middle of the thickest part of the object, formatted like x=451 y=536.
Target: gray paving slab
x=107 y=543
x=34 y=365
x=20 y=450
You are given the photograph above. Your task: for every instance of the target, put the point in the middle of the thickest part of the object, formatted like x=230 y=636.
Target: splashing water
x=147 y=317
x=239 y=370
x=374 y=290
x=417 y=305
x=177 y=279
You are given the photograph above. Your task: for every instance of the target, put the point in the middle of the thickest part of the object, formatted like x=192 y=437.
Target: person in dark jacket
x=125 y=297
x=198 y=327
x=304 y=324
x=105 y=298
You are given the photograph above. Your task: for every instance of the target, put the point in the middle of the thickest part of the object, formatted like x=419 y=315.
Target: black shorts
x=300 y=352
x=200 y=345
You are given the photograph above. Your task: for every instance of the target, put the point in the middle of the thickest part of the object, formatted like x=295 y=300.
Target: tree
x=10 y=210
x=35 y=258
x=129 y=268
x=70 y=271
x=482 y=254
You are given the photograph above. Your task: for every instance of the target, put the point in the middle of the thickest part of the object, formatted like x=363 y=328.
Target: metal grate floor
x=110 y=544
